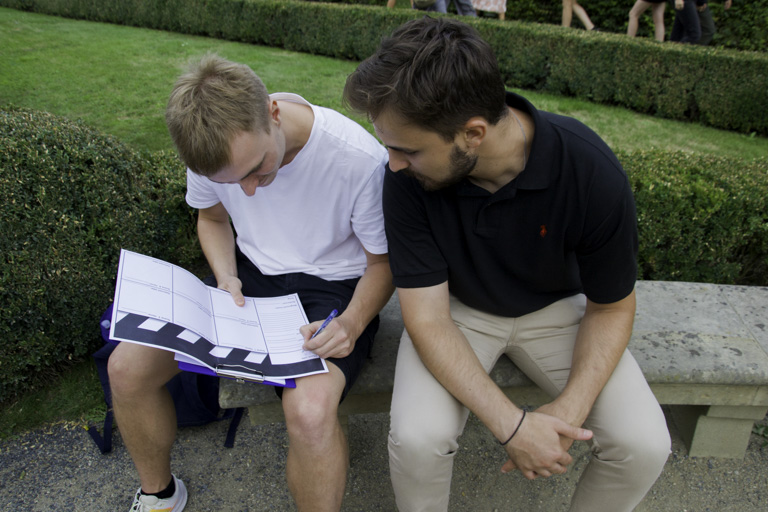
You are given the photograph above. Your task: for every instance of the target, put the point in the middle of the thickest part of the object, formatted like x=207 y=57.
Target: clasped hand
x=540 y=448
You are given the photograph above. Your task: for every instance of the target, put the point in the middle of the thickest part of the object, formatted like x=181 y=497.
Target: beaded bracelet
x=515 y=432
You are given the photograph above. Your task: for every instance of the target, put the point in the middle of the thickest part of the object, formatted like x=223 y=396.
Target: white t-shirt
x=320 y=207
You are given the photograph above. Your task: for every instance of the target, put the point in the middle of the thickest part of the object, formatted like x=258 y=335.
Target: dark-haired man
x=511 y=231
x=302 y=186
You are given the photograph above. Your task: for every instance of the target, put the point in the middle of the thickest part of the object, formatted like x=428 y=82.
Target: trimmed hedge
x=743 y=27
x=667 y=80
x=721 y=88
x=701 y=218
x=71 y=198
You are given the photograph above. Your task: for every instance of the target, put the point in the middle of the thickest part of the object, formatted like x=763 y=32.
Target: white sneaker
x=148 y=503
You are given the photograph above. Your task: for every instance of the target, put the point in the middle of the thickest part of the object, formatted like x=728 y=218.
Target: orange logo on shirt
x=543 y=231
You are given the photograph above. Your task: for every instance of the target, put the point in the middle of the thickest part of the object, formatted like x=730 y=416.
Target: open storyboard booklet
x=164 y=306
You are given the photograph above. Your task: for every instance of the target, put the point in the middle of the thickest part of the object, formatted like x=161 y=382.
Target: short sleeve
x=200 y=192
x=367 y=215
x=414 y=256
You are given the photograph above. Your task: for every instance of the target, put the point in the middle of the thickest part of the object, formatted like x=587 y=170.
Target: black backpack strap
x=103 y=441
x=233 y=424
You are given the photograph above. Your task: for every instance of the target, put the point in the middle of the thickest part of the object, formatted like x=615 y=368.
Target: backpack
x=195 y=396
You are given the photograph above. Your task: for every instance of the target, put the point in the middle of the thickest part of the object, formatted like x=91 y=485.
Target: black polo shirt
x=565 y=225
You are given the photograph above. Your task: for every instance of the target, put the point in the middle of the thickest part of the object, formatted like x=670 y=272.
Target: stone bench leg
x=717 y=430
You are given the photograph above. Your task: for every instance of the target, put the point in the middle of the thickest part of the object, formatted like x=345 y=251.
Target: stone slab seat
x=702 y=347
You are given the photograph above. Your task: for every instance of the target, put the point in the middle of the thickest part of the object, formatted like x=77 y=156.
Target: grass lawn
x=117 y=79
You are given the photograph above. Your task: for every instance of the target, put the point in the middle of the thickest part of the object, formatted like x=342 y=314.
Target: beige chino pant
x=630 y=445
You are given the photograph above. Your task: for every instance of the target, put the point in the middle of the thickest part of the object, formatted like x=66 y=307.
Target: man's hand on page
x=234 y=286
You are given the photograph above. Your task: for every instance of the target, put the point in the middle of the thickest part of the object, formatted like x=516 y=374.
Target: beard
x=461 y=165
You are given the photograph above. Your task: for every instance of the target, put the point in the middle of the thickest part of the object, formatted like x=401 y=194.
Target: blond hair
x=209 y=106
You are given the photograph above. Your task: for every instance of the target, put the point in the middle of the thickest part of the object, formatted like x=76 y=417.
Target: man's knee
x=642 y=453
x=135 y=369
x=309 y=420
x=421 y=440
x=311 y=411
x=121 y=372
x=653 y=450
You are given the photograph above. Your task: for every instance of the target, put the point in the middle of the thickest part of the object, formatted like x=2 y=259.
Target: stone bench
x=703 y=349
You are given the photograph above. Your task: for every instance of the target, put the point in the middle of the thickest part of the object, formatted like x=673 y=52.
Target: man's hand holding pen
x=332 y=337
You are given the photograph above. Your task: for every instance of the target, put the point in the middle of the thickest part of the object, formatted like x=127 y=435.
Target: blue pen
x=325 y=324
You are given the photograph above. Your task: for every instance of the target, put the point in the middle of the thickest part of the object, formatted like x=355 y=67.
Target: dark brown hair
x=436 y=73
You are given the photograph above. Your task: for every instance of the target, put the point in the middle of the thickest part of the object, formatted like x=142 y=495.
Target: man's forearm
x=601 y=341
x=449 y=357
x=447 y=354
x=371 y=293
x=218 y=244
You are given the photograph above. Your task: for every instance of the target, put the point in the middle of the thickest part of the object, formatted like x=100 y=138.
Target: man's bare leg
x=318 y=455
x=144 y=410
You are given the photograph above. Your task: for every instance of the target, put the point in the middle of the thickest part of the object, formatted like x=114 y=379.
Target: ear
x=474 y=132
x=274 y=111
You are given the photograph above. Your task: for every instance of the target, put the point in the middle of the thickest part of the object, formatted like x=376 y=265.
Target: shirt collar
x=537 y=173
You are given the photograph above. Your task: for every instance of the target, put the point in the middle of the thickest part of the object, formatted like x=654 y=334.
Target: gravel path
x=58 y=468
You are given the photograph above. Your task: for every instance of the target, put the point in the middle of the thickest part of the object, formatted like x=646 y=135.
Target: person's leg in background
x=464 y=8
x=686 y=28
x=657 y=13
x=571 y=7
x=634 y=16
x=707 y=25
x=438 y=6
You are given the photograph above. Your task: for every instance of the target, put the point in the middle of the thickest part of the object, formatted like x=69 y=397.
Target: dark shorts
x=318 y=297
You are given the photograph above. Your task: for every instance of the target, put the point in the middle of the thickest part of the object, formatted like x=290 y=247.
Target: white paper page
x=192 y=304
x=159 y=290
x=189 y=336
x=291 y=357
x=281 y=318
x=152 y=324
x=255 y=357
x=236 y=326
x=145 y=286
x=184 y=358
x=281 y=321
